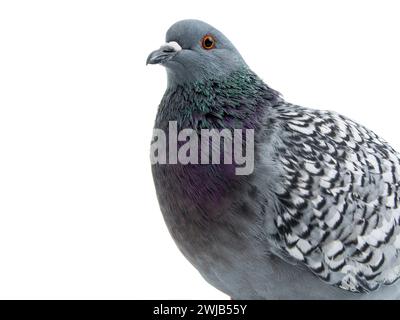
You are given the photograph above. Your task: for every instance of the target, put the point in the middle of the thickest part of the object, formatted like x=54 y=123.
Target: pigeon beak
x=164 y=54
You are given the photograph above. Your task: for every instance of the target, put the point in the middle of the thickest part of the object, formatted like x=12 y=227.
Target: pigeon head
x=196 y=51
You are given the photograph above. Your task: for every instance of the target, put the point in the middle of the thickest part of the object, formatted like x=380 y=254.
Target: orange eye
x=208 y=42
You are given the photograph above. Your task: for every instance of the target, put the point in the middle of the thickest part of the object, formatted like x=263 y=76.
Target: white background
x=78 y=212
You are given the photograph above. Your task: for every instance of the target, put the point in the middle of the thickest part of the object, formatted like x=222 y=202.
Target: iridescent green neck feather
x=236 y=101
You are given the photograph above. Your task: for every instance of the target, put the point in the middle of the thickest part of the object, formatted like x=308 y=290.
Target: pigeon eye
x=208 y=42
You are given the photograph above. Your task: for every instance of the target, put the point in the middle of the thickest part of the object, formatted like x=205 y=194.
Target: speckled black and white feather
x=338 y=210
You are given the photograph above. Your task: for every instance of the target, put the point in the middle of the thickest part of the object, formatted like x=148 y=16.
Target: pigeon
x=316 y=218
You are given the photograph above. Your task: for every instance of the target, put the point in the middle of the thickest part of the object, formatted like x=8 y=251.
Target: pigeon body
x=318 y=218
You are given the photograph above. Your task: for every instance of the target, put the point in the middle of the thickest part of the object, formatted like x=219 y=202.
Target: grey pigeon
x=318 y=217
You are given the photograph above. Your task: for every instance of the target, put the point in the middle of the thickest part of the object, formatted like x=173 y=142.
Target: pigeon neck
x=239 y=100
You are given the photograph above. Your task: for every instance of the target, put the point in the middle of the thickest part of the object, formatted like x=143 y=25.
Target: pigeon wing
x=338 y=206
